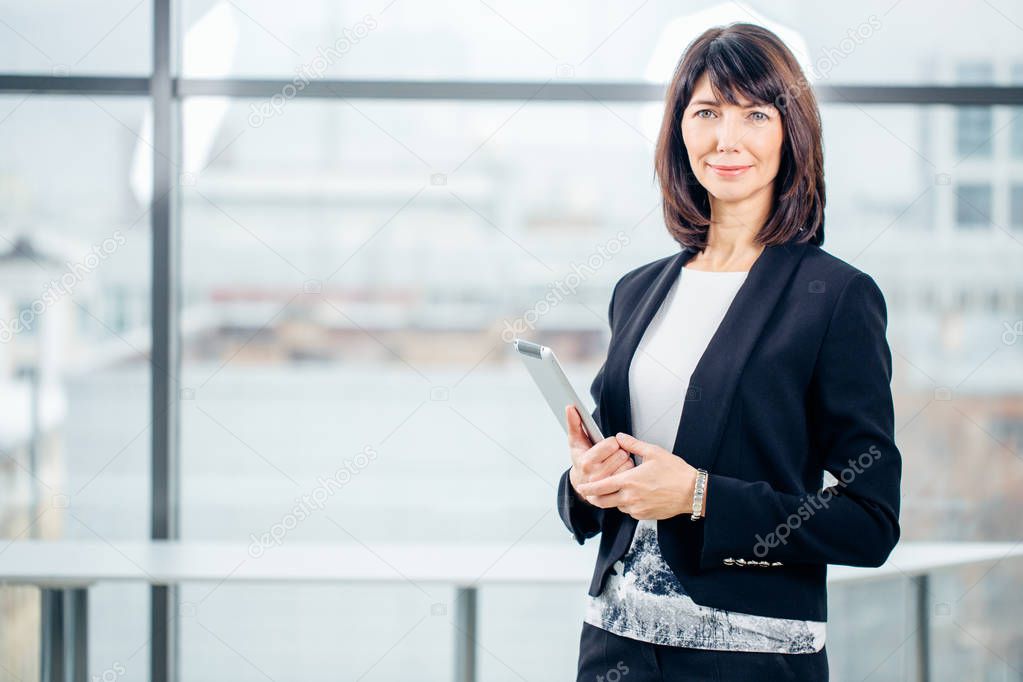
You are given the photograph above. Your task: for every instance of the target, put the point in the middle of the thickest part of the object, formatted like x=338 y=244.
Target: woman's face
x=734 y=150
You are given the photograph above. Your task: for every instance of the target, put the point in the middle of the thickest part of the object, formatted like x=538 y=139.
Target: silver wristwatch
x=698 y=492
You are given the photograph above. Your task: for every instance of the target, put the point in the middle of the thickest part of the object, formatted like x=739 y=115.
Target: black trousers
x=607 y=657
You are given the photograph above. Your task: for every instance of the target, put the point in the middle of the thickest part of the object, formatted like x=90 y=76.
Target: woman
x=740 y=370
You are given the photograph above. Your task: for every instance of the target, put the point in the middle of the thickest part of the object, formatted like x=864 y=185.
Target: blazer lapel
x=615 y=398
x=712 y=385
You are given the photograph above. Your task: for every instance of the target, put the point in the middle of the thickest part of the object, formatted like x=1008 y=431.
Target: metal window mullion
x=165 y=355
x=569 y=90
x=74 y=85
x=562 y=90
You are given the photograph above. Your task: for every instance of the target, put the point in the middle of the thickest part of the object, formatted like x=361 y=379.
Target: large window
x=370 y=199
x=877 y=42
x=973 y=206
x=74 y=346
x=68 y=38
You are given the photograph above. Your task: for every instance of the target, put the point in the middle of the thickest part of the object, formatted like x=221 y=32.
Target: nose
x=729 y=133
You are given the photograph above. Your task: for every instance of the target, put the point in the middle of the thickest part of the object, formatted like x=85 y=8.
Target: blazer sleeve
x=582 y=518
x=852 y=421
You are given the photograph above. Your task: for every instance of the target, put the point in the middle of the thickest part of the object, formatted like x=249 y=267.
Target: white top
x=643 y=599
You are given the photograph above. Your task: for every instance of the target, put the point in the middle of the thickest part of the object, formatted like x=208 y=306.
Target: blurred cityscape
x=353 y=269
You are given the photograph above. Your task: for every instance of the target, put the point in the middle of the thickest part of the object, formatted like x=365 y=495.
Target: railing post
x=465 y=635
x=76 y=611
x=51 y=636
x=64 y=634
x=921 y=589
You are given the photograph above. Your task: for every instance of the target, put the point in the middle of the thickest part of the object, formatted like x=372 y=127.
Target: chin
x=730 y=194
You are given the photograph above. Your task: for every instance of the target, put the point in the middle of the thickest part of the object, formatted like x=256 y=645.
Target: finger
x=594 y=462
x=600 y=454
x=605 y=501
x=585 y=430
x=576 y=435
x=612 y=465
x=604 y=486
x=633 y=444
x=626 y=465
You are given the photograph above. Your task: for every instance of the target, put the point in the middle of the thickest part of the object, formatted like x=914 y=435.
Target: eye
x=760 y=113
x=701 y=111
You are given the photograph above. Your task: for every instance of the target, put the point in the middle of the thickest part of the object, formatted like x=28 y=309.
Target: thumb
x=576 y=435
x=637 y=446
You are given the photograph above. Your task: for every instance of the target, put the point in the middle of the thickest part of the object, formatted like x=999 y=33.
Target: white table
x=64 y=570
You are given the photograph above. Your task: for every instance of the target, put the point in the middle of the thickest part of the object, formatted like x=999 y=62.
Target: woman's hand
x=659 y=488
x=592 y=462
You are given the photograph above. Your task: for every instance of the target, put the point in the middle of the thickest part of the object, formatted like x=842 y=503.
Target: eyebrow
x=717 y=104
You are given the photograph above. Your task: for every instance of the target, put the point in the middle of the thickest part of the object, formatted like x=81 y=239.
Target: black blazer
x=795 y=381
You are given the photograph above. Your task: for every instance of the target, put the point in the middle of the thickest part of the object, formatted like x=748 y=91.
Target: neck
x=733 y=228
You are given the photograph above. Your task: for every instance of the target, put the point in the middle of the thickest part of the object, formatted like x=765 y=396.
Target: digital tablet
x=546 y=371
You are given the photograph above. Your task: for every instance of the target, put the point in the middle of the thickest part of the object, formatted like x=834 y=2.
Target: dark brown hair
x=751 y=61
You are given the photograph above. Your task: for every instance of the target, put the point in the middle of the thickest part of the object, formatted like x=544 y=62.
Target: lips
x=728 y=171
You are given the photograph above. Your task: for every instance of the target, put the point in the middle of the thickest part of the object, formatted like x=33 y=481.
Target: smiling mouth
x=728 y=171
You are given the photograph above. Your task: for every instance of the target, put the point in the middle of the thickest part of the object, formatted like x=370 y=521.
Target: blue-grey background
x=349 y=266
